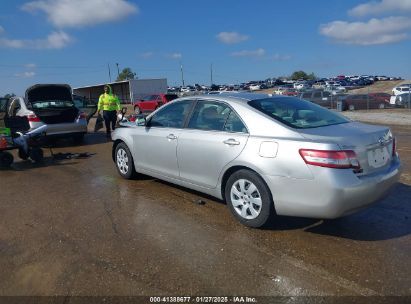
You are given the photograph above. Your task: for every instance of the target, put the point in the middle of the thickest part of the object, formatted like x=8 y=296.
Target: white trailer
x=127 y=91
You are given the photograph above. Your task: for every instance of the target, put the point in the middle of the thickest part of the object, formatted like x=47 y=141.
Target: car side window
x=234 y=123
x=209 y=116
x=171 y=116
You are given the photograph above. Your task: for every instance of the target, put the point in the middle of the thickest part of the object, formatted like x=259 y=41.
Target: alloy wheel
x=246 y=199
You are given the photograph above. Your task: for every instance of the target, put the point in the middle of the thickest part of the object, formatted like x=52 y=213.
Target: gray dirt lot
x=388 y=116
x=74 y=227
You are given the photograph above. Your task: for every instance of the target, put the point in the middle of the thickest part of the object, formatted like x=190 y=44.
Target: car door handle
x=171 y=136
x=231 y=142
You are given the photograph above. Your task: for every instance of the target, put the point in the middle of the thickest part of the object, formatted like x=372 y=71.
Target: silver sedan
x=262 y=154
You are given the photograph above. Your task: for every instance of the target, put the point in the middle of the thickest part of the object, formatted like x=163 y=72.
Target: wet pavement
x=72 y=226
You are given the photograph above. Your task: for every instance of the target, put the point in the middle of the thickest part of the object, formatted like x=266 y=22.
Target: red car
x=151 y=102
x=291 y=92
x=363 y=102
x=381 y=96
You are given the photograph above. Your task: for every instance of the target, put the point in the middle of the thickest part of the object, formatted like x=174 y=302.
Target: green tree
x=302 y=75
x=126 y=74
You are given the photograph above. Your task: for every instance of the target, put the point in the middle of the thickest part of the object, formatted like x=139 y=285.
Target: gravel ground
x=391 y=116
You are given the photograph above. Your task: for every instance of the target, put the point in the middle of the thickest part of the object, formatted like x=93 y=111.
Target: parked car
x=335 y=89
x=402 y=100
x=384 y=97
x=290 y=92
x=320 y=97
x=363 y=102
x=52 y=105
x=401 y=89
x=262 y=154
x=151 y=102
x=254 y=87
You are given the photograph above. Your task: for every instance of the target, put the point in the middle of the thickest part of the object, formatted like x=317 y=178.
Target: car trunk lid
x=372 y=144
x=52 y=103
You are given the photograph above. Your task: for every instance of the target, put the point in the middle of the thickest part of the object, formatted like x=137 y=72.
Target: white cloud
x=55 y=40
x=231 y=37
x=25 y=74
x=375 y=31
x=79 y=13
x=381 y=7
x=30 y=65
x=175 y=56
x=146 y=55
x=279 y=57
x=247 y=53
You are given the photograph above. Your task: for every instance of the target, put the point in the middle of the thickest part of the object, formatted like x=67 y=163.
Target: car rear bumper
x=64 y=128
x=332 y=194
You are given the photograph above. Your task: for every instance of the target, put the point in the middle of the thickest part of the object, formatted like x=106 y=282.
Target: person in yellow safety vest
x=110 y=104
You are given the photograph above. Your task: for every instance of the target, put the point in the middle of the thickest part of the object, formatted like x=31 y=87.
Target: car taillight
x=33 y=118
x=394 y=147
x=344 y=159
x=82 y=115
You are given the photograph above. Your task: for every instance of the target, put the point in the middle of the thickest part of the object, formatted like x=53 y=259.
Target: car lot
x=86 y=231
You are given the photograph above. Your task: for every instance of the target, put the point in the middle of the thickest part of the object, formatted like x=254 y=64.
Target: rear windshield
x=297 y=113
x=52 y=104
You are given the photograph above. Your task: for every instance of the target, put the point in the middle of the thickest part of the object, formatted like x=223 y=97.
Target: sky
x=76 y=41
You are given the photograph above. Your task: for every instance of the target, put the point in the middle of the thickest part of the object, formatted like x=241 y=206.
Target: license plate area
x=378 y=157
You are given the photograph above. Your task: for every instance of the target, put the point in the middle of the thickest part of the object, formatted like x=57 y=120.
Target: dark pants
x=110 y=117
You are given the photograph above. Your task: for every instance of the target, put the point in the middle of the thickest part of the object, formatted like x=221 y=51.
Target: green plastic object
x=5 y=131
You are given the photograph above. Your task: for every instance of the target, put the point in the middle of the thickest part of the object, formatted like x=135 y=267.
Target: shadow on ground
x=388 y=219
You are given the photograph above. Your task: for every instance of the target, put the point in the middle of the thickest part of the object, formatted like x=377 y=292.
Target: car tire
x=249 y=198
x=137 y=110
x=381 y=106
x=351 y=107
x=36 y=154
x=124 y=161
x=6 y=159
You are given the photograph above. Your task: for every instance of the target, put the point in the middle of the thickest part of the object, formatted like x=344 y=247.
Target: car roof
x=237 y=98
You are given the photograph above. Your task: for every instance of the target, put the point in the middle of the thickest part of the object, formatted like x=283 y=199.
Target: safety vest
x=108 y=102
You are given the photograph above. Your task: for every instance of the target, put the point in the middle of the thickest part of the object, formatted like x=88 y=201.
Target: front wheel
x=124 y=161
x=381 y=106
x=6 y=159
x=137 y=110
x=351 y=108
x=249 y=199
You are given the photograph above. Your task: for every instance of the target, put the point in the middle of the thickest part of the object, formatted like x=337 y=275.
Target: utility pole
x=109 y=72
x=182 y=73
x=118 y=71
x=211 y=71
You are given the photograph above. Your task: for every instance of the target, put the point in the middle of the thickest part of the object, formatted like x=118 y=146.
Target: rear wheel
x=137 y=110
x=6 y=159
x=351 y=107
x=124 y=161
x=249 y=198
x=381 y=106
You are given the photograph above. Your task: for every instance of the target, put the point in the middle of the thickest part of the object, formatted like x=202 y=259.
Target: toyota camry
x=264 y=155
